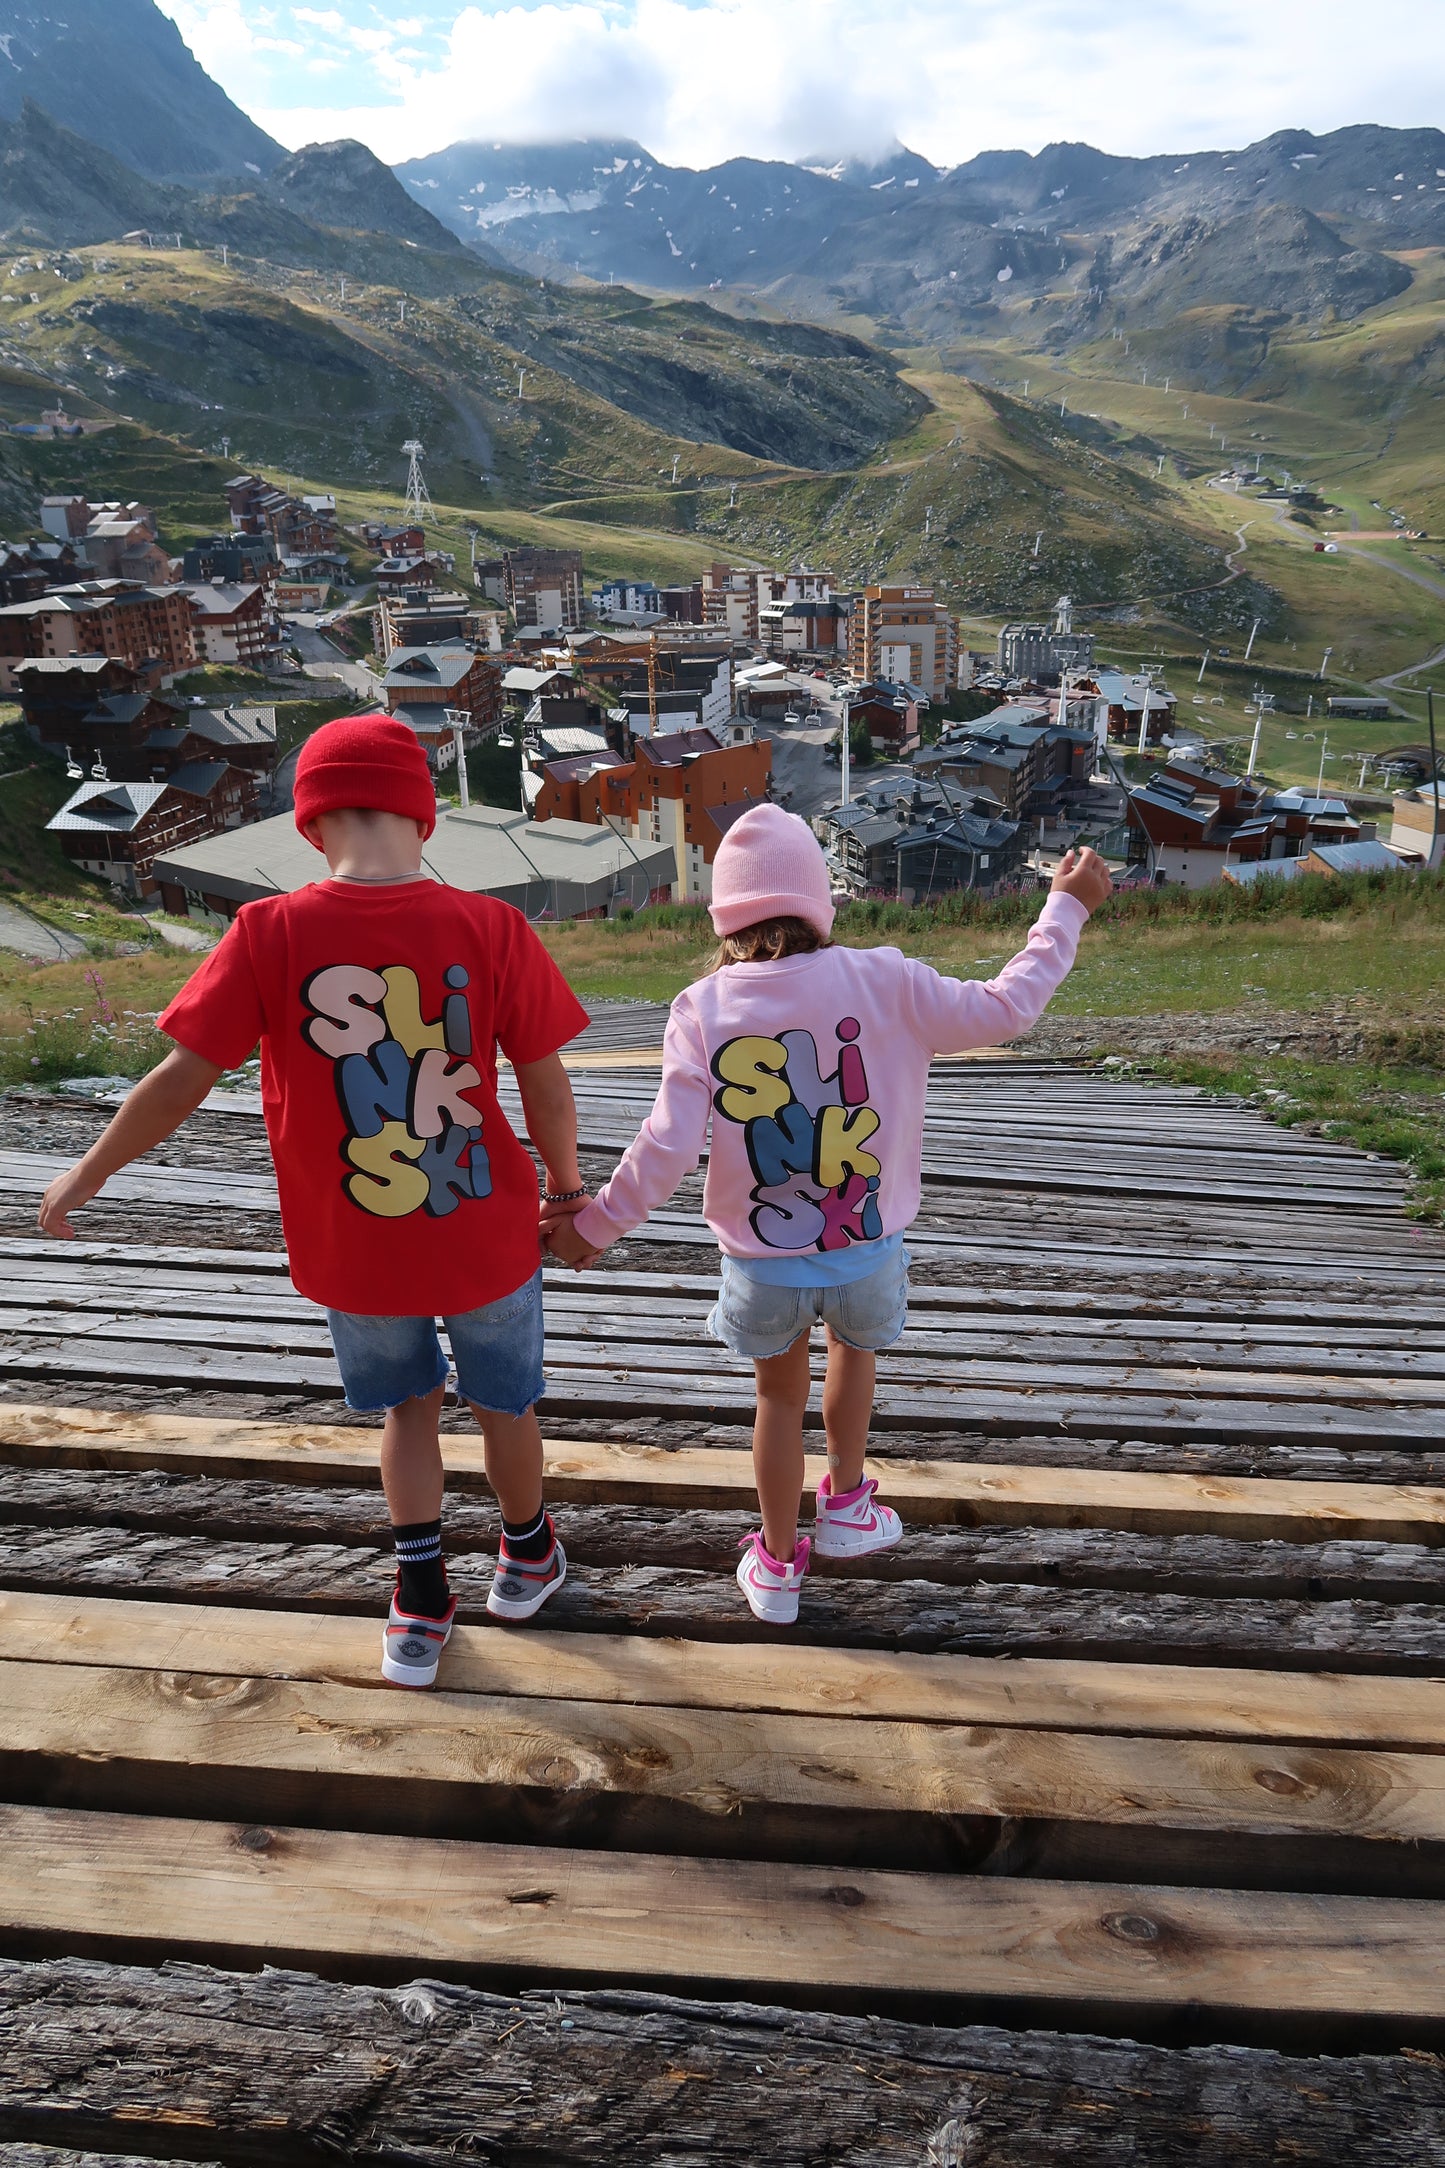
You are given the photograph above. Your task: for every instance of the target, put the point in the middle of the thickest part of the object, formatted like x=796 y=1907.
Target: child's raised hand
x=563 y=1241
x=1083 y=875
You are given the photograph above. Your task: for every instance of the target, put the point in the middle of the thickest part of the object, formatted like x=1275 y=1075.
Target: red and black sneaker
x=520 y=1586
x=412 y=1645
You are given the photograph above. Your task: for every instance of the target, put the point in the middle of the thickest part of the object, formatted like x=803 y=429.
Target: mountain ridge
x=119 y=73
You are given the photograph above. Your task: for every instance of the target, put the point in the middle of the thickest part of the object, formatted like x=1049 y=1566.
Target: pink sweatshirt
x=814 y=1072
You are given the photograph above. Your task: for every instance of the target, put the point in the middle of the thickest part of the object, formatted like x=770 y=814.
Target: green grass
x=1393 y=1108
x=1379 y=938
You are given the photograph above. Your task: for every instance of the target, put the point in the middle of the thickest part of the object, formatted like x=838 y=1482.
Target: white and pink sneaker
x=853 y=1525
x=772 y=1587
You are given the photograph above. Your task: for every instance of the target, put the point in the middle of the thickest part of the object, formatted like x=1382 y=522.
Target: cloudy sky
x=701 y=80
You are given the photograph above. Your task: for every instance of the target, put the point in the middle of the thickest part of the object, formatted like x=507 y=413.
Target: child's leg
x=847 y=1410
x=514 y=1462
x=411 y=1459
x=782 y=1382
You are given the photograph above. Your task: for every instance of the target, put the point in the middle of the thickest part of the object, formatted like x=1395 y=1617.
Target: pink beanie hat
x=769 y=865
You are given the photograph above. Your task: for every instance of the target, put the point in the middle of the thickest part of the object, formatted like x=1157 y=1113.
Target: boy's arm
x=551 y=1118
x=152 y=1112
x=952 y=1015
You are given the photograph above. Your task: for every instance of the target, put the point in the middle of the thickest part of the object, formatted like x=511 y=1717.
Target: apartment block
x=905 y=636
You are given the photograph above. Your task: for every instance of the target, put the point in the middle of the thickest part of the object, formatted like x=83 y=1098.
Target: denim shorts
x=496 y=1350
x=756 y=1319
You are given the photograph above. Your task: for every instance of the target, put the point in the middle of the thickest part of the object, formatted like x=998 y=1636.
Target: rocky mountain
x=119 y=73
x=1298 y=226
x=346 y=185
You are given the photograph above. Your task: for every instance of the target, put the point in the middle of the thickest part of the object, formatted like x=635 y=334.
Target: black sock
x=421 y=1568
x=529 y=1540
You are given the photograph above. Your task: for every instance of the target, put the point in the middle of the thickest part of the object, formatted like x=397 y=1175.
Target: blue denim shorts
x=758 y=1320
x=496 y=1350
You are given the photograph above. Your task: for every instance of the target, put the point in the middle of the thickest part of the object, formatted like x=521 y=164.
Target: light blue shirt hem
x=819 y=1268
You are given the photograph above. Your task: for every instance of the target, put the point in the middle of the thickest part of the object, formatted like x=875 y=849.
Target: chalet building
x=97 y=709
x=1190 y=822
x=125 y=549
x=295 y=524
x=918 y=844
x=1124 y=699
x=400 y=575
x=116 y=830
x=1031 y=766
x=433 y=617
x=904 y=635
x=399 y=541
x=234 y=624
x=151 y=628
x=422 y=683
x=889 y=714
x=238 y=559
x=543 y=588
x=490 y=575
x=678 y=792
x=29 y=570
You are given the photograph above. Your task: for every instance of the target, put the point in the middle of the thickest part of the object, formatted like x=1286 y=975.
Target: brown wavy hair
x=769 y=942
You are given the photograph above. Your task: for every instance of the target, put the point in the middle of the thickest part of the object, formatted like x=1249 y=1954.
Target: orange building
x=673 y=792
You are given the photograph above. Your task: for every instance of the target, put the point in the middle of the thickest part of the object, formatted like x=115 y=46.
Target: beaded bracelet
x=563 y=1196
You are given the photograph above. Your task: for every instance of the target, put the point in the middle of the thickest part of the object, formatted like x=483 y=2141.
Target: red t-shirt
x=379 y=1012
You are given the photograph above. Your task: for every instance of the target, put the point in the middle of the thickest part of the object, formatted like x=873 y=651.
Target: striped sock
x=421 y=1569
x=530 y=1541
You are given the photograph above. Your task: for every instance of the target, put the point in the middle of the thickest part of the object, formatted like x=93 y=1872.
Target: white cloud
x=787 y=78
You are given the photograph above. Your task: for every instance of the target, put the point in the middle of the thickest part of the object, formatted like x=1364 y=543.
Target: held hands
x=1083 y=875
x=559 y=1237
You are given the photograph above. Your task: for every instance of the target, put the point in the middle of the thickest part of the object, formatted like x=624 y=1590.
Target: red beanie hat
x=364 y=760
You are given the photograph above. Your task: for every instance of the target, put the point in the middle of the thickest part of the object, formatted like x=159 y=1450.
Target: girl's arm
x=666 y=1148
x=149 y=1114
x=952 y=1015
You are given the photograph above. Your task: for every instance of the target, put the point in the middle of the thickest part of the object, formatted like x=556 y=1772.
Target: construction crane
x=652 y=684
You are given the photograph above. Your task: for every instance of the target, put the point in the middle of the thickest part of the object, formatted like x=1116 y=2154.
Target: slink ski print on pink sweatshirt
x=807 y=1137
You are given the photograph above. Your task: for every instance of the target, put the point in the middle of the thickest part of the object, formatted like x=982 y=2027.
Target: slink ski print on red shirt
x=413 y=1142
x=817 y=1187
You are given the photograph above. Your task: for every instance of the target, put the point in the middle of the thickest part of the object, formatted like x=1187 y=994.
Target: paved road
x=26 y=936
x=319 y=659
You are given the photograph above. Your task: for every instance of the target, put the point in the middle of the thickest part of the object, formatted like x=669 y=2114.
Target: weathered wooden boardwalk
x=1110 y=1807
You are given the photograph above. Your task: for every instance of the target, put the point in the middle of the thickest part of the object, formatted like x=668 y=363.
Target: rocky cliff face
x=119 y=73
x=345 y=184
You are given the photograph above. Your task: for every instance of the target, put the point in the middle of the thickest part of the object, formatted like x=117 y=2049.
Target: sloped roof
x=107 y=808
x=199 y=777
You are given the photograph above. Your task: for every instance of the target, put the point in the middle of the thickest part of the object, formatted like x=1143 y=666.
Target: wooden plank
x=725 y=1783
x=1041 y=1693
x=913 y=1615
x=578 y=1326
x=243 y=1269
x=609 y=1387
x=589 y=1473
x=220 y=1510
x=282 y=2066
x=920 y=1362
x=379 y=1906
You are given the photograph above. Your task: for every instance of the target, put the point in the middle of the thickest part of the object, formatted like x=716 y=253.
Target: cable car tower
x=419 y=510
